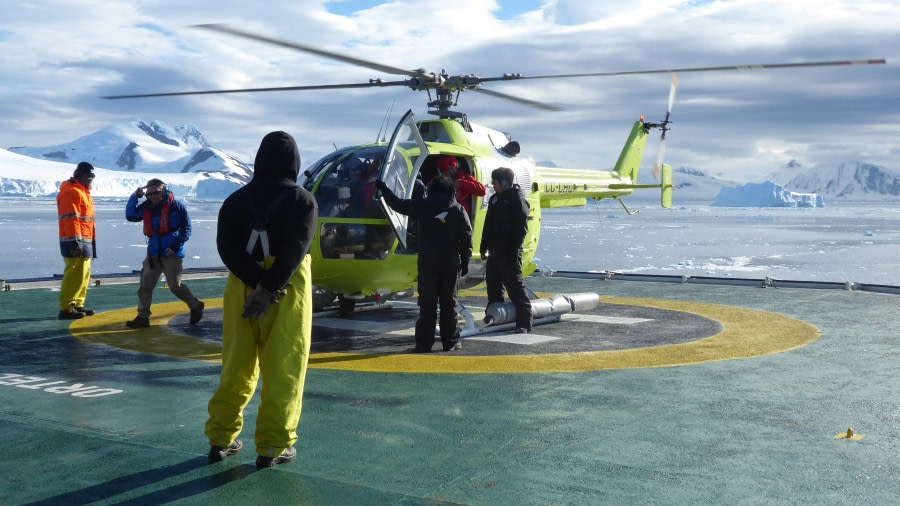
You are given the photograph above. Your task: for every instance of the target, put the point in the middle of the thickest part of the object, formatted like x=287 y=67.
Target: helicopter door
x=395 y=171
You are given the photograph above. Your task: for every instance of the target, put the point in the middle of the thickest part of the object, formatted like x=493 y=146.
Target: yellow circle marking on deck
x=746 y=333
x=108 y=327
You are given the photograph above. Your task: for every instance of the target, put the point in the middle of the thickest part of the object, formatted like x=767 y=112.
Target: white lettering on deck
x=55 y=387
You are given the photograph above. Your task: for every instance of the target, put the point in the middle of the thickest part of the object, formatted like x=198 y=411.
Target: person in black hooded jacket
x=265 y=230
x=445 y=246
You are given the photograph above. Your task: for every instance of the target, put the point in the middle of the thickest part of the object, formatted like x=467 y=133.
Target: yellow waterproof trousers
x=275 y=348
x=75 y=281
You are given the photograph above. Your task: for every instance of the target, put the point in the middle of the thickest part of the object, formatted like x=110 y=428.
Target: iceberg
x=767 y=194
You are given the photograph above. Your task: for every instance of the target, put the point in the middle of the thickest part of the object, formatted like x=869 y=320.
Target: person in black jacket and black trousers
x=505 y=227
x=445 y=246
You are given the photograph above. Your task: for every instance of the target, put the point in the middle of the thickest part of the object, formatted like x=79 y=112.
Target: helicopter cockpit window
x=433 y=131
x=346 y=187
x=345 y=191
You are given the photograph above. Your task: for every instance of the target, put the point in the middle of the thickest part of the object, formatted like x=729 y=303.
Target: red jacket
x=467 y=185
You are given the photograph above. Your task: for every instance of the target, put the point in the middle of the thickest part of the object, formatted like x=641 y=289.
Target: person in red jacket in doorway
x=466 y=185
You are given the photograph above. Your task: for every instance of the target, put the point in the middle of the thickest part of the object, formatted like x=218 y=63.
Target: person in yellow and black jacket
x=265 y=230
x=167 y=226
x=77 y=241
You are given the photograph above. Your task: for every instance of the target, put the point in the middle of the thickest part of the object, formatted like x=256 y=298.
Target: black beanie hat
x=83 y=168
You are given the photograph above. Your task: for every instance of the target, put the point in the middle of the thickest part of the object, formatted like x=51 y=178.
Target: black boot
x=218 y=453
x=288 y=455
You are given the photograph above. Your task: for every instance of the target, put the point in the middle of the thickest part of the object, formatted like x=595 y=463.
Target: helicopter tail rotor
x=664 y=126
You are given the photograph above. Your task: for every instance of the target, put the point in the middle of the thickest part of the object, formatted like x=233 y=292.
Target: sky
x=60 y=57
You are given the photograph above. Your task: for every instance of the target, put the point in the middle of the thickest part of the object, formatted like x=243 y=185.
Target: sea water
x=843 y=242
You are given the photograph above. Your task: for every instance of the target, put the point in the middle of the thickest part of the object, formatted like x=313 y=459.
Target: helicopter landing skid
x=357 y=308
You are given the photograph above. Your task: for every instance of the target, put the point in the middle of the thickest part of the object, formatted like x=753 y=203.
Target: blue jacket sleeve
x=133 y=211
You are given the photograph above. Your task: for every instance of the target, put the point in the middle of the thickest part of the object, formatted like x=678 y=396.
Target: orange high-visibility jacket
x=76 y=220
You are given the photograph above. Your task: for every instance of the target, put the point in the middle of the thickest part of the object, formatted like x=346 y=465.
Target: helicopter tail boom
x=572 y=187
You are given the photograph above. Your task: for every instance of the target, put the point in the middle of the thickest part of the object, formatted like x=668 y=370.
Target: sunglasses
x=150 y=194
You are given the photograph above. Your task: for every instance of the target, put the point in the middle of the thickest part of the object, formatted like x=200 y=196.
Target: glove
x=258 y=302
x=76 y=251
x=484 y=255
x=464 y=268
x=381 y=186
x=139 y=192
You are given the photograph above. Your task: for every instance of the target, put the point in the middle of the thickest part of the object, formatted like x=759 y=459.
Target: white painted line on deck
x=617 y=320
x=523 y=339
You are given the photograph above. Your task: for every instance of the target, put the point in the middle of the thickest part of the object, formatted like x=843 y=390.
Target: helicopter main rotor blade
x=532 y=103
x=374 y=84
x=876 y=61
x=387 y=69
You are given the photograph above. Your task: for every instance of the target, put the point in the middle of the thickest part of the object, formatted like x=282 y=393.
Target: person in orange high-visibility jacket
x=77 y=241
x=264 y=233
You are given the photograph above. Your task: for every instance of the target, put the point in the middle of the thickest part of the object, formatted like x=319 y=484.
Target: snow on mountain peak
x=144 y=150
x=848 y=180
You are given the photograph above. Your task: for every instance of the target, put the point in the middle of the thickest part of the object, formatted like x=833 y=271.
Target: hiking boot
x=218 y=453
x=138 y=322
x=288 y=455
x=86 y=311
x=70 y=315
x=197 y=312
x=454 y=347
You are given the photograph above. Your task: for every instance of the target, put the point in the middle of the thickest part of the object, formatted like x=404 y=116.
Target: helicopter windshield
x=344 y=187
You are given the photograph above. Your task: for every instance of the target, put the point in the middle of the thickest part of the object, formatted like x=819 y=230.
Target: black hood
x=441 y=194
x=278 y=158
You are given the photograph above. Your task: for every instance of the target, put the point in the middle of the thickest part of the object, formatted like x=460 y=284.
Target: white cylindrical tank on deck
x=499 y=313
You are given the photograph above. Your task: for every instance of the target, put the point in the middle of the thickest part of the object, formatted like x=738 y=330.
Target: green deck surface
x=751 y=430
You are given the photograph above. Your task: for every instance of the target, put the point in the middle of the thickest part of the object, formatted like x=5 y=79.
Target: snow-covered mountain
x=845 y=181
x=126 y=155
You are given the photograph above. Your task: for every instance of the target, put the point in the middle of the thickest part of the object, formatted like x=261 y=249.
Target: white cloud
x=61 y=56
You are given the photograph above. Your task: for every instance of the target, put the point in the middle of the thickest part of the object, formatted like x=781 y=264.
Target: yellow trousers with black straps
x=274 y=349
